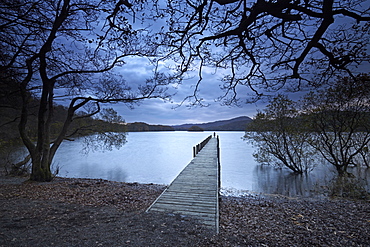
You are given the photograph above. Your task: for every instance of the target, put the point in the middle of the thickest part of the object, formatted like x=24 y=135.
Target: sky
x=157 y=111
x=136 y=70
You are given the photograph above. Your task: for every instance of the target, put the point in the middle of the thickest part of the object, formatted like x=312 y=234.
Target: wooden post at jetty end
x=195 y=191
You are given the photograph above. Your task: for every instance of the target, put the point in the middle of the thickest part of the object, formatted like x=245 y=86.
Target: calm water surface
x=158 y=157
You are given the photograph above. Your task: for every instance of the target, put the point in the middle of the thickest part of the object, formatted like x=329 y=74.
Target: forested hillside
x=10 y=111
x=139 y=126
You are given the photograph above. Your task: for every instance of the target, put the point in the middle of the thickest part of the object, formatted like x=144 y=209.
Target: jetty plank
x=195 y=191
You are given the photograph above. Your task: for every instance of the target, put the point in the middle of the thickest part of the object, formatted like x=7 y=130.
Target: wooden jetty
x=195 y=191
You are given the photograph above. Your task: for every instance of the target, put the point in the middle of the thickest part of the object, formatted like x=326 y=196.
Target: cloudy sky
x=156 y=111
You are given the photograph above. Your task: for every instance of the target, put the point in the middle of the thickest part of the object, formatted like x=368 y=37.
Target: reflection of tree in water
x=281 y=181
x=348 y=187
x=10 y=154
x=12 y=160
x=321 y=181
x=94 y=170
x=117 y=174
x=355 y=185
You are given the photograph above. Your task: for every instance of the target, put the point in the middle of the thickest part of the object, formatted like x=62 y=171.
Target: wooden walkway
x=195 y=191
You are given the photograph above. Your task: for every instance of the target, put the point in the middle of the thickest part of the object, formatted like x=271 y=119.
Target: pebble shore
x=88 y=212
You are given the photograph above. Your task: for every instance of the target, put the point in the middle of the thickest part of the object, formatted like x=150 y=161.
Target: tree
x=280 y=136
x=267 y=45
x=339 y=117
x=75 y=50
x=195 y=128
x=334 y=121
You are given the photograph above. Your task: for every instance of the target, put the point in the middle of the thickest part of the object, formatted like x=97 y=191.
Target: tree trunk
x=342 y=170
x=40 y=173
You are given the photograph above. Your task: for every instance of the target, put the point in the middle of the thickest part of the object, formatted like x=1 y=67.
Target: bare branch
x=271 y=44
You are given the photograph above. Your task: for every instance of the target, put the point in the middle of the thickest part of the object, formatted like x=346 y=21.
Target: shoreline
x=96 y=212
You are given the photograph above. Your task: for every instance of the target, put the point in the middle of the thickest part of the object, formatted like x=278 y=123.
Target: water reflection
x=12 y=155
x=242 y=175
x=158 y=157
x=96 y=170
x=117 y=174
x=147 y=157
x=321 y=182
x=281 y=181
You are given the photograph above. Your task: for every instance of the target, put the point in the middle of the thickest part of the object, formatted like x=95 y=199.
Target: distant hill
x=235 y=124
x=140 y=127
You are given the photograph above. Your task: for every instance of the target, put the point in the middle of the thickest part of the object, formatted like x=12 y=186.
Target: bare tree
x=73 y=48
x=339 y=118
x=268 y=45
x=333 y=122
x=281 y=136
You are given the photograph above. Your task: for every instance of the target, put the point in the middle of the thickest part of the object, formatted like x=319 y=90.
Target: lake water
x=158 y=157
